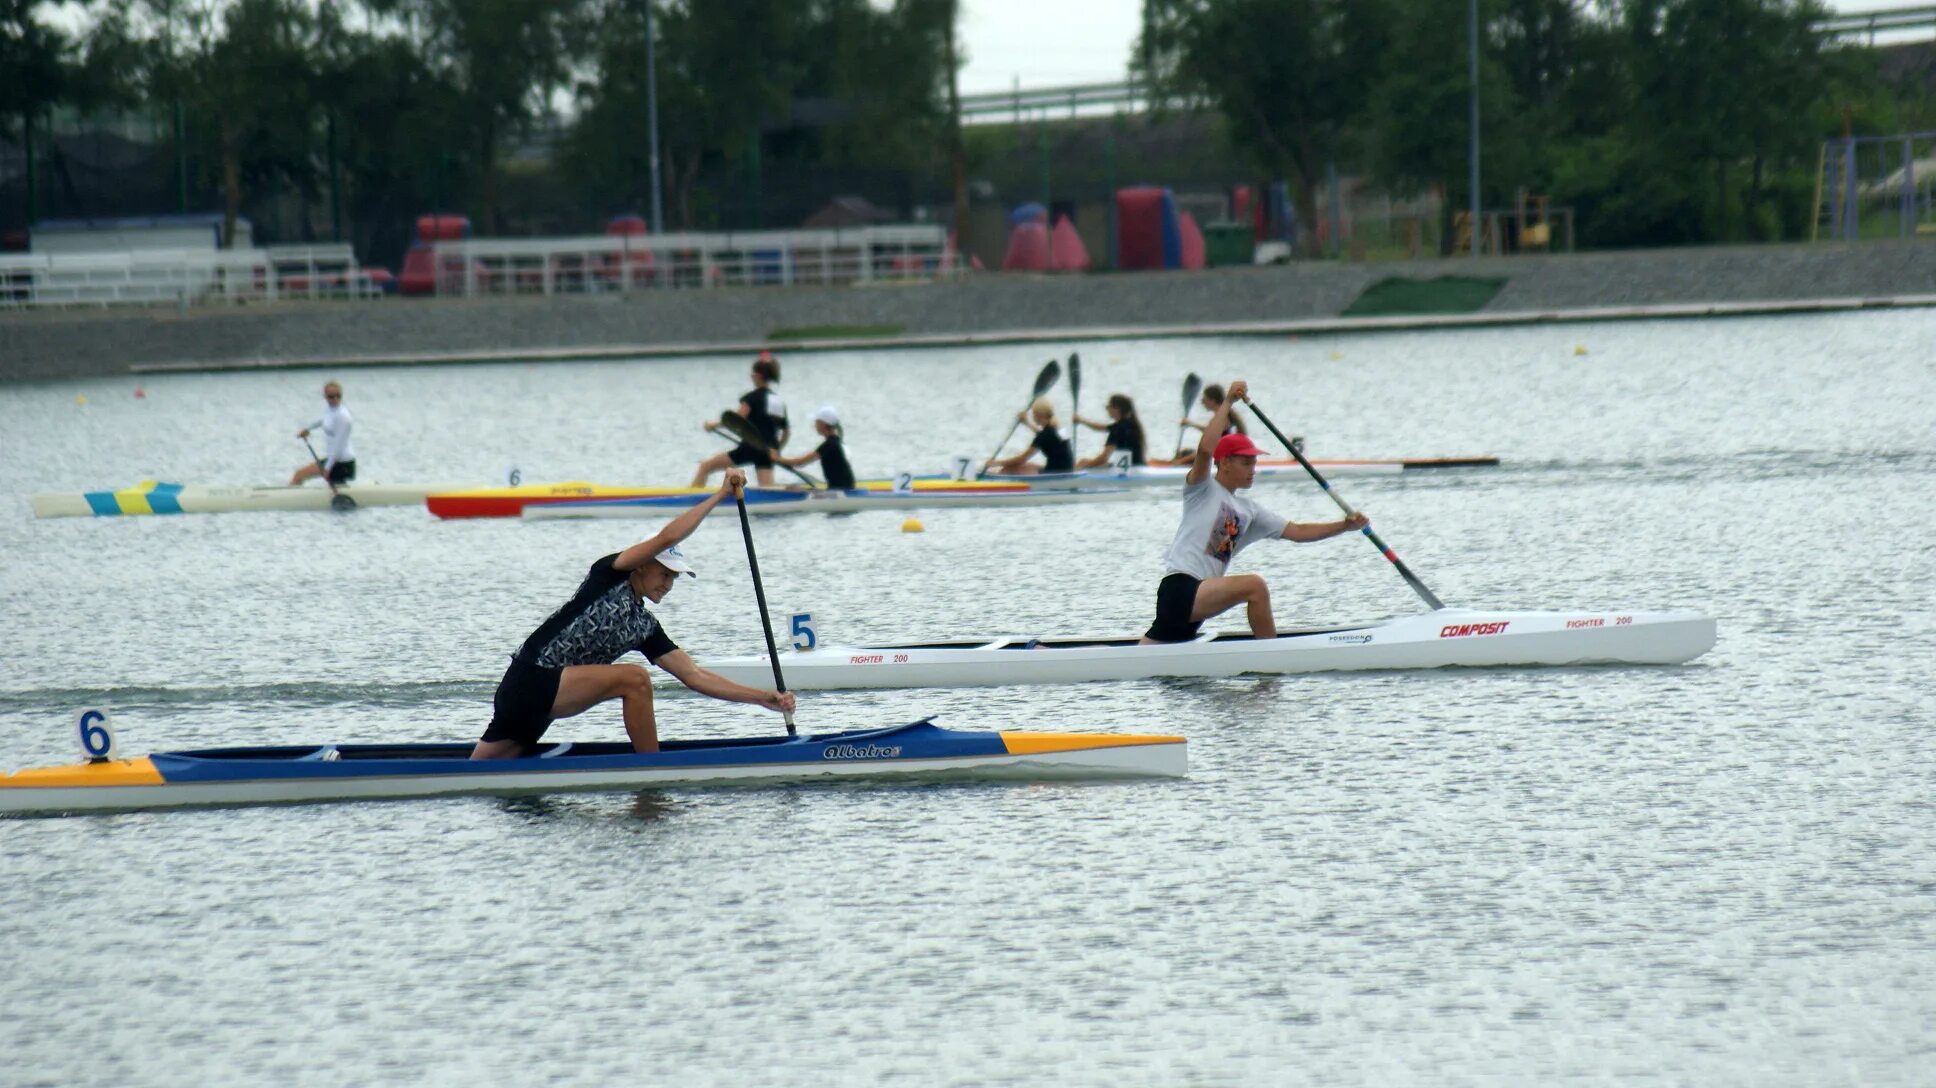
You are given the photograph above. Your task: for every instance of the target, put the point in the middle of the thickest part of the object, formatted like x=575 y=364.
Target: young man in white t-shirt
x=1217 y=524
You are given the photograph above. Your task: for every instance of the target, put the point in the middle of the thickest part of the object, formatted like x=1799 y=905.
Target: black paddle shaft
x=1404 y=571
x=337 y=500
x=759 y=593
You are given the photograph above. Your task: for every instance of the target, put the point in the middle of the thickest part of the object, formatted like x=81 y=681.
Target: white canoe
x=767 y=502
x=1267 y=469
x=151 y=497
x=1448 y=637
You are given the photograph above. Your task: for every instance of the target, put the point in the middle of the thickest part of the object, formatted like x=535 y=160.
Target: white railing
x=594 y=263
x=183 y=277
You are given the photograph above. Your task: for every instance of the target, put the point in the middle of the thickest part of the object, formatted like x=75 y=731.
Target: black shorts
x=745 y=454
x=521 y=709
x=342 y=472
x=1176 y=596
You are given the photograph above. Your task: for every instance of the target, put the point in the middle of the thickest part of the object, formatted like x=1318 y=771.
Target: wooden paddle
x=742 y=429
x=1297 y=451
x=1044 y=381
x=759 y=593
x=337 y=500
x=1075 y=400
x=1192 y=388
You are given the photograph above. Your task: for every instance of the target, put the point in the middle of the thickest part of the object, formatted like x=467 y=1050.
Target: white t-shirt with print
x=1217 y=524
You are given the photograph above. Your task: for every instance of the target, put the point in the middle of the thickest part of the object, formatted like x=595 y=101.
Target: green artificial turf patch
x=1444 y=295
x=835 y=332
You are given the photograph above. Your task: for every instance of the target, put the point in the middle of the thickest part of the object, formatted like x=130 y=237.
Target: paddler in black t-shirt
x=567 y=665
x=764 y=409
x=830 y=453
x=1125 y=433
x=1057 y=454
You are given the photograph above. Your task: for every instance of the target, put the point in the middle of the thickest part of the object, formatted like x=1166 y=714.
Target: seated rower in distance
x=831 y=454
x=1057 y=454
x=1125 y=433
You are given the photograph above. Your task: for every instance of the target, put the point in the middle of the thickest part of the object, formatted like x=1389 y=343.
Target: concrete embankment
x=987 y=308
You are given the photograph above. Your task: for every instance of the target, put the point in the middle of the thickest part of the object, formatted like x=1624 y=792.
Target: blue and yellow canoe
x=156 y=497
x=359 y=772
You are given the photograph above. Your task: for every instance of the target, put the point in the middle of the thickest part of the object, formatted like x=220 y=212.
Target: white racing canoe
x=362 y=772
x=765 y=501
x=152 y=497
x=1447 y=637
x=1267 y=470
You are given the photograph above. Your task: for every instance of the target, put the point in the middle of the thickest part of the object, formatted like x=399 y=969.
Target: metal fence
x=1876 y=187
x=184 y=277
x=596 y=263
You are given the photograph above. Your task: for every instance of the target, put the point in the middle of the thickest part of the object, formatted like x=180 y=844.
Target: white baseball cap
x=827 y=415
x=675 y=561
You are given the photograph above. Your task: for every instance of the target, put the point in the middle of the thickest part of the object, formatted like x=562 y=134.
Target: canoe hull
x=150 y=497
x=1443 y=639
x=1268 y=469
x=511 y=502
x=323 y=773
x=831 y=502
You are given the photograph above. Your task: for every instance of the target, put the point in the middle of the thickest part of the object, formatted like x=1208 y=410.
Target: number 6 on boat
x=97 y=737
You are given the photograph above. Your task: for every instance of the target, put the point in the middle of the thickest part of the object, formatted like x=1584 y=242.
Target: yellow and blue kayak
x=361 y=772
x=156 y=497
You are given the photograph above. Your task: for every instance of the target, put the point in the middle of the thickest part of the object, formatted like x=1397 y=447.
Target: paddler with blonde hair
x=1058 y=455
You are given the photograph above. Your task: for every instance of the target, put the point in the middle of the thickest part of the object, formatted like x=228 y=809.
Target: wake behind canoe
x=249 y=776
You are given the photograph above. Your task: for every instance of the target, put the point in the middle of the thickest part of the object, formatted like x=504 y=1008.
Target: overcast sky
x=1010 y=39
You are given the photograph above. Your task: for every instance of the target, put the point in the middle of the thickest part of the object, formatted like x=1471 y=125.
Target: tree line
x=1659 y=121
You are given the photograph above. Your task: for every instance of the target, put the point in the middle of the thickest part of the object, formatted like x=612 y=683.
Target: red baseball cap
x=1235 y=445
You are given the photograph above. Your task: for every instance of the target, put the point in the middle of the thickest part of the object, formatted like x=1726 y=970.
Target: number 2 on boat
x=804 y=636
x=97 y=736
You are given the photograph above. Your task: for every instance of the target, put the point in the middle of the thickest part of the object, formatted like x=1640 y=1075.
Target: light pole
x=1472 y=72
x=652 y=115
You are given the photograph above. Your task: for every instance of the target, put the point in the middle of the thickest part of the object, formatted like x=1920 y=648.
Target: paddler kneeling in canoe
x=1217 y=524
x=566 y=666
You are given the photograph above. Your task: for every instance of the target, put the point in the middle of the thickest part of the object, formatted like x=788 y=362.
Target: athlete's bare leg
x=1217 y=595
x=306 y=472
x=709 y=466
x=581 y=687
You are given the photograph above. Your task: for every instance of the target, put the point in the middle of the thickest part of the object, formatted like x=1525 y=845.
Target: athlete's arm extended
x=1304 y=532
x=1213 y=433
x=687 y=671
x=678 y=528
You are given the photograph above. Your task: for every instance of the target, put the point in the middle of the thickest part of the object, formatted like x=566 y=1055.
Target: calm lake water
x=1716 y=874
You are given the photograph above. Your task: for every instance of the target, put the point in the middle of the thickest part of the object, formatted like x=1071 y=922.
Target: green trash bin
x=1228 y=243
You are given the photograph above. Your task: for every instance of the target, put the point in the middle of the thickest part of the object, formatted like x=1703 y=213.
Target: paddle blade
x=741 y=428
x=1192 y=389
x=1075 y=377
x=1045 y=381
x=341 y=503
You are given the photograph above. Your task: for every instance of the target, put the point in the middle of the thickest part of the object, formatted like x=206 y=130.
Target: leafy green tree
x=35 y=63
x=505 y=58
x=244 y=73
x=1289 y=75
